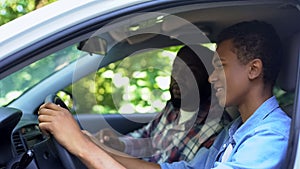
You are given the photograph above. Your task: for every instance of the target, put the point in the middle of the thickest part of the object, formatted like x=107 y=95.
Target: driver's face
x=174 y=89
x=184 y=79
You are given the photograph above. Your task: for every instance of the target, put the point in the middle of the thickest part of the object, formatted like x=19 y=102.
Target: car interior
x=100 y=42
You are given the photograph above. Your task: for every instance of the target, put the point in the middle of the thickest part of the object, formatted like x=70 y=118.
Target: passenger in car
x=244 y=75
x=179 y=130
x=245 y=72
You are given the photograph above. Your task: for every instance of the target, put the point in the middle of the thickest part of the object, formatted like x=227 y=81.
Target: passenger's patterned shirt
x=165 y=139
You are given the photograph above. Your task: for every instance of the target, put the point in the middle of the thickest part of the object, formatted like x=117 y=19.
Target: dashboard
x=26 y=137
x=24 y=146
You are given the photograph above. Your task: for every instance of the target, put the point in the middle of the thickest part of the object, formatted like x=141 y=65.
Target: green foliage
x=130 y=82
x=139 y=83
x=14 y=85
x=284 y=98
x=12 y=9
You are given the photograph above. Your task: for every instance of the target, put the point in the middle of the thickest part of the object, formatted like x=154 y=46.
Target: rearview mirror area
x=93 y=45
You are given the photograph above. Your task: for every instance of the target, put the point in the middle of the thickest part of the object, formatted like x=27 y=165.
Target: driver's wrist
x=85 y=148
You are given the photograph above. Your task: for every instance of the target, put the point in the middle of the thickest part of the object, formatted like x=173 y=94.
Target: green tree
x=12 y=9
x=132 y=82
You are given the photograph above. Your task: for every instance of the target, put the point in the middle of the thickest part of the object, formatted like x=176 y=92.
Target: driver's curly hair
x=256 y=39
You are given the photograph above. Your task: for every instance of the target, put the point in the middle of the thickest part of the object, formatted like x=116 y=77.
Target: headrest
x=288 y=75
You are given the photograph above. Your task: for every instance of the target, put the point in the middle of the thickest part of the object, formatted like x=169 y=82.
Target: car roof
x=51 y=19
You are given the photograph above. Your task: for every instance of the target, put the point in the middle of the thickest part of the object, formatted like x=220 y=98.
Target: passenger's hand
x=110 y=139
x=60 y=123
x=92 y=138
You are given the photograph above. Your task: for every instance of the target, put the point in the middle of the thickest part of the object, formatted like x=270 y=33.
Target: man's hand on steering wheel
x=65 y=133
x=60 y=123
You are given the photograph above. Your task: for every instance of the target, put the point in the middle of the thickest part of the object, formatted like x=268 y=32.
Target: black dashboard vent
x=18 y=142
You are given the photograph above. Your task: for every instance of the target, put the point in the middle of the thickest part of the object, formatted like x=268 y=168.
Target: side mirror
x=93 y=45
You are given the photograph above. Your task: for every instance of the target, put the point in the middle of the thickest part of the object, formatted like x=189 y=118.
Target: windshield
x=19 y=82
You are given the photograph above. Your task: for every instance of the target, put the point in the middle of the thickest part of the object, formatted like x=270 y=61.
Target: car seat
x=289 y=71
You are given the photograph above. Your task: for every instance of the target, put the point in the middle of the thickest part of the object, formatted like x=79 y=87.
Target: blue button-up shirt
x=260 y=142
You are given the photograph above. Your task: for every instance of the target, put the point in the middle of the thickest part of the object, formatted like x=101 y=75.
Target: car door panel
x=122 y=123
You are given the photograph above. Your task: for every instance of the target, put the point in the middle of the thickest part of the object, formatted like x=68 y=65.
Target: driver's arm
x=60 y=123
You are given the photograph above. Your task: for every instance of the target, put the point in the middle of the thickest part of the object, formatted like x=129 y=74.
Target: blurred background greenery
x=136 y=84
x=12 y=9
x=147 y=94
x=132 y=85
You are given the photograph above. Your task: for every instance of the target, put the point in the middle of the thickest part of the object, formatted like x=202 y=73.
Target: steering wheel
x=68 y=160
